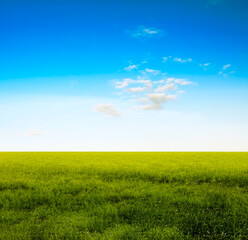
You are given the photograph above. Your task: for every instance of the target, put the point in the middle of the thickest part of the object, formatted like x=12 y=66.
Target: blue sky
x=124 y=75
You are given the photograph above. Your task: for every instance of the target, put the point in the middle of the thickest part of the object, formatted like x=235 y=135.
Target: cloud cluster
x=225 y=70
x=151 y=89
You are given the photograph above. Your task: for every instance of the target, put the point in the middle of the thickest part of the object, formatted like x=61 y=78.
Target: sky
x=156 y=75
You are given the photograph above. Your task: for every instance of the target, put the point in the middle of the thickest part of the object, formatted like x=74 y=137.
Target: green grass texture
x=120 y=195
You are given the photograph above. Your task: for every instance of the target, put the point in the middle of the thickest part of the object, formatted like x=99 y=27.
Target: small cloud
x=124 y=83
x=159 y=81
x=150 y=31
x=182 y=60
x=145 y=32
x=156 y=100
x=152 y=107
x=205 y=66
x=152 y=71
x=143 y=100
x=166 y=87
x=170 y=80
x=135 y=90
x=165 y=59
x=143 y=81
x=107 y=109
x=182 y=82
x=179 y=81
x=232 y=72
x=131 y=67
x=146 y=83
x=226 y=66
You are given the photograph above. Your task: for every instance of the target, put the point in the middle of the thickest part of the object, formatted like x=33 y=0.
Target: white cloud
x=170 y=80
x=226 y=66
x=176 y=59
x=143 y=81
x=135 y=90
x=131 y=67
x=124 y=83
x=166 y=87
x=205 y=66
x=179 y=81
x=152 y=71
x=159 y=81
x=146 y=83
x=182 y=82
x=152 y=107
x=145 y=32
x=149 y=86
x=107 y=109
x=182 y=60
x=158 y=98
x=141 y=100
x=165 y=59
x=150 y=31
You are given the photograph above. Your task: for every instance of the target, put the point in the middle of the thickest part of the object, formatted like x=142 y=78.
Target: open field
x=123 y=196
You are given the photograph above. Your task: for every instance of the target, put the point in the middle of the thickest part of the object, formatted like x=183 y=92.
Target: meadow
x=123 y=196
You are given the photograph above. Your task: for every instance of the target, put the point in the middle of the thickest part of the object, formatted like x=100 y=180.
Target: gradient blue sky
x=124 y=75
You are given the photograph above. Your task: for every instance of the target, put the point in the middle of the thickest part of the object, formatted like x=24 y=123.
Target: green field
x=123 y=196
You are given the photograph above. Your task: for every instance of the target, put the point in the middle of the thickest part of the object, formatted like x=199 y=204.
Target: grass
x=123 y=196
